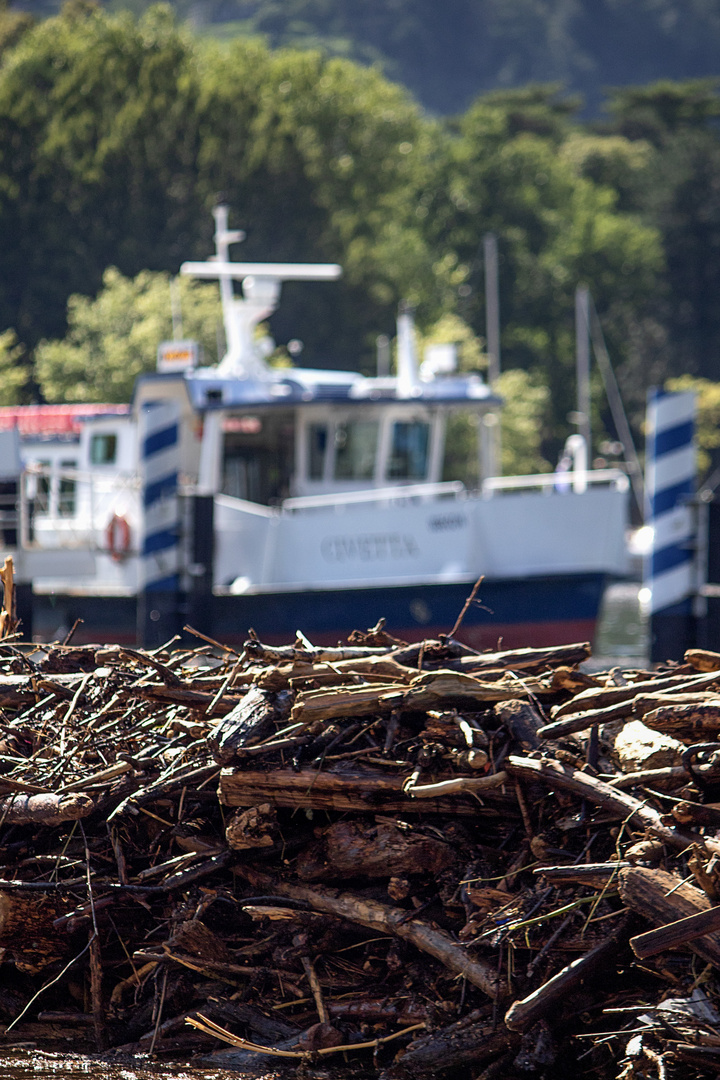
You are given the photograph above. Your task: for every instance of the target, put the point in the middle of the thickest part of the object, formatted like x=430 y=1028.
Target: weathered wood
x=553 y=774
x=523 y=1013
x=27 y=933
x=672 y=777
x=615 y=695
x=390 y=920
x=597 y=875
x=312 y=706
x=662 y=898
x=352 y=789
x=529 y=660
x=645 y=703
x=459 y=785
x=313 y=654
x=453 y=689
x=45 y=809
x=522 y=721
x=637 y=746
x=253 y=828
x=676 y=933
x=470 y=1041
x=586 y=718
x=692 y=722
x=253 y=719
x=351 y=849
x=703 y=659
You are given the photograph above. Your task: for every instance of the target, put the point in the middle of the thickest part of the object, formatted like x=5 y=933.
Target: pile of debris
x=420 y=859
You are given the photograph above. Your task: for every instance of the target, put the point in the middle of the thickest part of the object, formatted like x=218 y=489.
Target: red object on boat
x=54 y=419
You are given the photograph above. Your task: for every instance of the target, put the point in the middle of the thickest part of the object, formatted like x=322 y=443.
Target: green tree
x=14 y=373
x=325 y=160
x=680 y=197
x=98 y=144
x=708 y=418
x=557 y=228
x=114 y=338
x=523 y=422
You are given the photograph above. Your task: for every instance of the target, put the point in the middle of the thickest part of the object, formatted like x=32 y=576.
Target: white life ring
x=117 y=537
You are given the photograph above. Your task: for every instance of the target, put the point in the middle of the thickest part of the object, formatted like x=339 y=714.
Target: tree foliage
x=118 y=135
x=114 y=338
x=14 y=374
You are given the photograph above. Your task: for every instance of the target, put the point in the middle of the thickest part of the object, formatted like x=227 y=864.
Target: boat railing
x=69 y=507
x=576 y=481
x=452 y=489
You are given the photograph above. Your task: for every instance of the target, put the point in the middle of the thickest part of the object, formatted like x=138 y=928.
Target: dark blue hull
x=531 y=612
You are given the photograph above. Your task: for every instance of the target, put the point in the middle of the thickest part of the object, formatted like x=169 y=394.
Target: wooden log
x=597 y=875
x=45 y=809
x=285 y=676
x=672 y=777
x=310 y=654
x=553 y=774
x=312 y=706
x=454 y=689
x=616 y=695
x=253 y=719
x=473 y=1040
x=529 y=660
x=390 y=920
x=646 y=703
x=676 y=933
x=703 y=659
x=581 y=721
x=27 y=933
x=253 y=828
x=351 y=789
x=18 y=690
x=522 y=720
x=523 y=1013
x=692 y=722
x=351 y=849
x=662 y=898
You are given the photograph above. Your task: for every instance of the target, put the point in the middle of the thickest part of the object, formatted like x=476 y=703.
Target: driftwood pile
x=417 y=859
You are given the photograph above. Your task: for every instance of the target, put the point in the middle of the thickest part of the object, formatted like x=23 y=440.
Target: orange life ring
x=117 y=537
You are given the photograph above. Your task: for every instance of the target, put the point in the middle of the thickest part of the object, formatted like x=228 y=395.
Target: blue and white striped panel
x=670 y=571
x=159 y=467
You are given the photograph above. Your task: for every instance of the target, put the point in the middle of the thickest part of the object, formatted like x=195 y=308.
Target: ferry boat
x=245 y=496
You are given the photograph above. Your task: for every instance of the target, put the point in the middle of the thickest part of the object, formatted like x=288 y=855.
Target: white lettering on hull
x=371 y=547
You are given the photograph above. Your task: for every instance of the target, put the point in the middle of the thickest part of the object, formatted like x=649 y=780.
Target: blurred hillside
x=447 y=54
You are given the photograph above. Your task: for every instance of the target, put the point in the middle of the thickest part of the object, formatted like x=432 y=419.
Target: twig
x=466 y=605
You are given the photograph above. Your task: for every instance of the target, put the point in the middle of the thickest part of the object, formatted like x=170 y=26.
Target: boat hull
x=538 y=611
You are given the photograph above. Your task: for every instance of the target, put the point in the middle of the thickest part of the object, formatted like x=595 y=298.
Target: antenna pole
x=582 y=362
x=491 y=443
x=492 y=306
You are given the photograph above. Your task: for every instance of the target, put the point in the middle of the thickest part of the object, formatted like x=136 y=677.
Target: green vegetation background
x=118 y=134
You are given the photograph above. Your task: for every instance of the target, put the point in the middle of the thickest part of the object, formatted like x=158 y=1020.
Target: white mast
x=261 y=284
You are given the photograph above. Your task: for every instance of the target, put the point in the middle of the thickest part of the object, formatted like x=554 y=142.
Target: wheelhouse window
x=42 y=491
x=409 y=451
x=355 y=449
x=103 y=448
x=66 y=490
x=317 y=447
x=258 y=456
